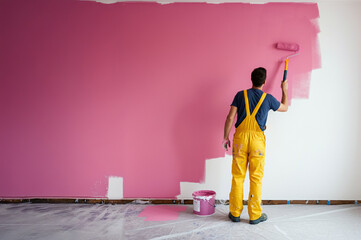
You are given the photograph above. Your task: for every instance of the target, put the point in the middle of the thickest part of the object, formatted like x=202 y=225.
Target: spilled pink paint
x=136 y=90
x=161 y=212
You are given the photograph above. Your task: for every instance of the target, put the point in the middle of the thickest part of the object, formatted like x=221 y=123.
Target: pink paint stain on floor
x=161 y=212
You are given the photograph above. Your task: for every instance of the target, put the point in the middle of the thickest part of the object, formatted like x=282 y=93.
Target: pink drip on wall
x=137 y=90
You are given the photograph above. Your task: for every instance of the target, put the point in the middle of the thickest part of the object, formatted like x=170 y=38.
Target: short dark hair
x=258 y=76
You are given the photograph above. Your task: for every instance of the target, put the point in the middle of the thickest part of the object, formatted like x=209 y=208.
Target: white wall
x=314 y=150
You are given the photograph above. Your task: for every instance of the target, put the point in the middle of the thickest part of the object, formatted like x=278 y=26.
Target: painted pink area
x=161 y=212
x=136 y=90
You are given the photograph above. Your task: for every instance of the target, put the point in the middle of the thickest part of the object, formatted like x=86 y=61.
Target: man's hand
x=226 y=143
x=284 y=86
x=284 y=102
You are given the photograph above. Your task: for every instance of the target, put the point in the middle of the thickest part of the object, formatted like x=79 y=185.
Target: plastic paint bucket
x=204 y=202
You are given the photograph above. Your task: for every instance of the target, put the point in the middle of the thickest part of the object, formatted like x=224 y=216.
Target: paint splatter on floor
x=161 y=212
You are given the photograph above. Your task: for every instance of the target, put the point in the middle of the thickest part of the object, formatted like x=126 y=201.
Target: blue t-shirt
x=254 y=95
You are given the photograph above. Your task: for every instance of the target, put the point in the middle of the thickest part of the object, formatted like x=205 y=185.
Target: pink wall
x=136 y=90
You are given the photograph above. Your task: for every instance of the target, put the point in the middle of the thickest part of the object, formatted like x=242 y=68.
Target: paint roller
x=294 y=47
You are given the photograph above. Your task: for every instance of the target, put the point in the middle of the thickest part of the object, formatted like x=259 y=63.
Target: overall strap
x=259 y=104
x=246 y=103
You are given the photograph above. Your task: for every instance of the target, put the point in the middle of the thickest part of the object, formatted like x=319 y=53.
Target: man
x=251 y=107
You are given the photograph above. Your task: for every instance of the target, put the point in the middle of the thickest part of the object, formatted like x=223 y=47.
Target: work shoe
x=234 y=219
x=262 y=218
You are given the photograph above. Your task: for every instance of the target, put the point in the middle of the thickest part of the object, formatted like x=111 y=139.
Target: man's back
x=254 y=95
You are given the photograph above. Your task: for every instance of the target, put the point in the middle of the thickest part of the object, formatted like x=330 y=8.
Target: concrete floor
x=86 y=221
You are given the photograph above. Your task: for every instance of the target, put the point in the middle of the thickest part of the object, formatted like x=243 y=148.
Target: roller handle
x=285 y=72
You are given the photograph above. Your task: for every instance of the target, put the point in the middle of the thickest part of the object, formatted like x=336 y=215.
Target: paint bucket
x=204 y=202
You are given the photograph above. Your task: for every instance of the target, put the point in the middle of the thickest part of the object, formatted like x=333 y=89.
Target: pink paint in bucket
x=204 y=202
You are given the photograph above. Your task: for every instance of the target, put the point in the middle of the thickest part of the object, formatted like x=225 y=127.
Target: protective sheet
x=86 y=221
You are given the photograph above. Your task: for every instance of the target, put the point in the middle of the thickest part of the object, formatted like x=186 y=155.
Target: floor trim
x=166 y=201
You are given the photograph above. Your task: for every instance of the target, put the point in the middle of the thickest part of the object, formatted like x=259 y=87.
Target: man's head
x=259 y=76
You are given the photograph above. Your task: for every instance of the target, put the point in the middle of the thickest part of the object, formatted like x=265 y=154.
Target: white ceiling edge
x=225 y=1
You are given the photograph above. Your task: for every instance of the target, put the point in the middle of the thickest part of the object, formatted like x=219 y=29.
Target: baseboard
x=167 y=201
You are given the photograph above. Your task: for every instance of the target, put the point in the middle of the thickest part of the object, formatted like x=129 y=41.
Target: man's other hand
x=226 y=143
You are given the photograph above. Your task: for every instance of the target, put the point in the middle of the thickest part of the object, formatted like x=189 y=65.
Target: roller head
x=288 y=46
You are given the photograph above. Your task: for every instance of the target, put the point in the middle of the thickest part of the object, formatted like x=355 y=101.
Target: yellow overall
x=249 y=145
